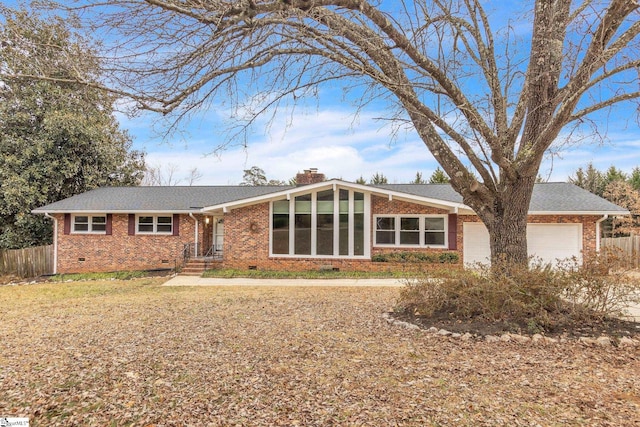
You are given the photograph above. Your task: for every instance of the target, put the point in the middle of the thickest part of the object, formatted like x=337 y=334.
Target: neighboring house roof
x=547 y=198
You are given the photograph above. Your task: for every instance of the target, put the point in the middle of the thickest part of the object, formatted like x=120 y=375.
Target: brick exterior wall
x=246 y=242
x=82 y=253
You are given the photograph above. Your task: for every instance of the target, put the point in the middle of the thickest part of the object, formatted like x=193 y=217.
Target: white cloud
x=331 y=140
x=341 y=146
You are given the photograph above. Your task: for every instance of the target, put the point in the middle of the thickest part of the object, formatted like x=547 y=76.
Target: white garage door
x=549 y=242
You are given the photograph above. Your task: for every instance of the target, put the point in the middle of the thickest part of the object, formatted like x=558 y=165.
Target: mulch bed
x=611 y=327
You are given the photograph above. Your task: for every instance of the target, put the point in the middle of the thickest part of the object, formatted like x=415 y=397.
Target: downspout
x=196 y=235
x=55 y=242
x=598 y=222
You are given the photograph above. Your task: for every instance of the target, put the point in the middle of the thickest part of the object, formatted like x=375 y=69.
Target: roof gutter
x=598 y=222
x=55 y=242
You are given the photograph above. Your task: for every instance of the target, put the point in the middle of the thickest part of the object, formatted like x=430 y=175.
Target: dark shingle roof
x=154 y=199
x=547 y=197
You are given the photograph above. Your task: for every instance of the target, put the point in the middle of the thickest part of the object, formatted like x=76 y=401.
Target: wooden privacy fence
x=630 y=246
x=29 y=262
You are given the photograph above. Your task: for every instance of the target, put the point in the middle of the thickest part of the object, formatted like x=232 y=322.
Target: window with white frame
x=323 y=223
x=155 y=224
x=90 y=224
x=411 y=230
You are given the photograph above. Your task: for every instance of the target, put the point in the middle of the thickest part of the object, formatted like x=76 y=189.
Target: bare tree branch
x=487 y=104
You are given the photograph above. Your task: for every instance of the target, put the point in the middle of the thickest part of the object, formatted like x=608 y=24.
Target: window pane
x=325 y=207
x=164 y=224
x=302 y=234
x=385 y=223
x=303 y=204
x=324 y=223
x=98 y=223
x=358 y=202
x=409 y=237
x=358 y=234
x=326 y=195
x=409 y=231
x=281 y=207
x=81 y=227
x=385 y=230
x=385 y=237
x=434 y=224
x=82 y=220
x=434 y=238
x=344 y=201
x=410 y=224
x=145 y=224
x=324 y=236
x=281 y=233
x=344 y=233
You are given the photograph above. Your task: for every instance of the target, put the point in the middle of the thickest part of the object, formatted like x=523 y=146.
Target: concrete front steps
x=197 y=266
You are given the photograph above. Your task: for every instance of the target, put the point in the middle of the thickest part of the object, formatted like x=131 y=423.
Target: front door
x=218 y=236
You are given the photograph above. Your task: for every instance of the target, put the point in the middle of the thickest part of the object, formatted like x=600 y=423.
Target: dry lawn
x=134 y=353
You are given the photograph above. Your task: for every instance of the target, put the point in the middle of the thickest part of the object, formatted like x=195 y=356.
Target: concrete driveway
x=200 y=281
x=634 y=311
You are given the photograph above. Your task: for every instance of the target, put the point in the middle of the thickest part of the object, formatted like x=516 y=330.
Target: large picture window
x=90 y=224
x=325 y=223
x=411 y=230
x=155 y=225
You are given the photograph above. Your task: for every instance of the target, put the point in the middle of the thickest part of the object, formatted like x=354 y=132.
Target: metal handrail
x=187 y=252
x=210 y=251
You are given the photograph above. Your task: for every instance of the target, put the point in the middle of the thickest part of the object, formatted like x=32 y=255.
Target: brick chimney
x=309 y=176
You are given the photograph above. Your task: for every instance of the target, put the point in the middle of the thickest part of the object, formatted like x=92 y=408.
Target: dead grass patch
x=134 y=353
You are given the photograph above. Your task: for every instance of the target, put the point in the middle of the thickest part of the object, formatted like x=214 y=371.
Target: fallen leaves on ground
x=135 y=353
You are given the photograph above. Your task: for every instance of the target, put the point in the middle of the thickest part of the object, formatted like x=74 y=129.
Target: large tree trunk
x=506 y=221
x=508 y=236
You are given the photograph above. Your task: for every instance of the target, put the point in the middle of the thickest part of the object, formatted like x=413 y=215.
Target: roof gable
x=446 y=203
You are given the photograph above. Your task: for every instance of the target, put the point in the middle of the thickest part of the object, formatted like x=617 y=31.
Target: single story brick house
x=317 y=224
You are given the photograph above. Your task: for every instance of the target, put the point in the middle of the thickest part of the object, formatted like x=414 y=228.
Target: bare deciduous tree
x=487 y=102
x=165 y=175
x=622 y=193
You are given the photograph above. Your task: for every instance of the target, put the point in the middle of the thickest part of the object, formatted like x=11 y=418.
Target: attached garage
x=549 y=242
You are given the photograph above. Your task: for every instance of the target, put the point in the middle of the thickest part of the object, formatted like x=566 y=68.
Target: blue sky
x=328 y=136
x=340 y=145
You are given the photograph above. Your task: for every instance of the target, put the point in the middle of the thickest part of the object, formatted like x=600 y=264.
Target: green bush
x=416 y=257
x=379 y=258
x=448 y=257
x=115 y=275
